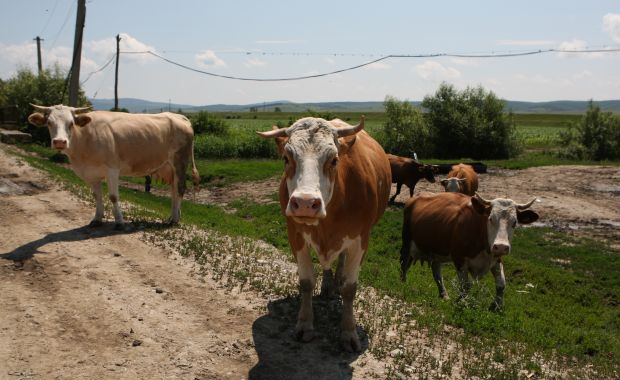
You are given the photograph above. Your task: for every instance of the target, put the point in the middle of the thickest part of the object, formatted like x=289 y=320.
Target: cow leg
x=305 y=319
x=464 y=282
x=406 y=254
x=113 y=175
x=349 y=339
x=330 y=285
x=500 y=284
x=436 y=267
x=98 y=192
x=178 y=182
x=398 y=186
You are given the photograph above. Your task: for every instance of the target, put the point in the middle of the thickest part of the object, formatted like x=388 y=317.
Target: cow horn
x=41 y=108
x=80 y=110
x=351 y=130
x=526 y=205
x=278 y=132
x=482 y=200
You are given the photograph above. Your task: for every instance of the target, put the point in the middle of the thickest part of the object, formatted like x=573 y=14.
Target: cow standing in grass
x=105 y=145
x=461 y=179
x=408 y=171
x=335 y=187
x=472 y=232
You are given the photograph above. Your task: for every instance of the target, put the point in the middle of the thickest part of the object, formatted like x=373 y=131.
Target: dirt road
x=80 y=303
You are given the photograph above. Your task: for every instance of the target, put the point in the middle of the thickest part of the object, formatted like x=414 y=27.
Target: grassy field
x=553 y=308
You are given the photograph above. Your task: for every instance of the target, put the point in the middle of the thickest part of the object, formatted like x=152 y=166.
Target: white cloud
x=254 y=62
x=106 y=48
x=576 y=45
x=378 y=66
x=435 y=71
x=583 y=74
x=533 y=79
x=526 y=42
x=277 y=42
x=611 y=24
x=22 y=54
x=208 y=59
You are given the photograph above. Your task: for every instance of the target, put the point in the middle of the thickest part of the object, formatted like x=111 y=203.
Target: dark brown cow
x=472 y=232
x=335 y=187
x=408 y=171
x=461 y=179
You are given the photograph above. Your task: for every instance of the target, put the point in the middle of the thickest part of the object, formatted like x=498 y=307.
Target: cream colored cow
x=105 y=145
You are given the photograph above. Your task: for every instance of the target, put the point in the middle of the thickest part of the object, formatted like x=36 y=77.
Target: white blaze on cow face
x=503 y=217
x=311 y=158
x=60 y=121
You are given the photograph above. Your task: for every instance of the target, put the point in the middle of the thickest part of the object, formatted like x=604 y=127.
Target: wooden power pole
x=39 y=61
x=118 y=42
x=74 y=84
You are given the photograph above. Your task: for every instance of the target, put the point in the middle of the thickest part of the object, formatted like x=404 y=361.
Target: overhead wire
x=62 y=27
x=430 y=55
x=49 y=18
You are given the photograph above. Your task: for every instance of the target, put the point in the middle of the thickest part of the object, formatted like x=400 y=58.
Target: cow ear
x=480 y=207
x=281 y=142
x=527 y=216
x=82 y=120
x=443 y=182
x=37 y=119
x=346 y=143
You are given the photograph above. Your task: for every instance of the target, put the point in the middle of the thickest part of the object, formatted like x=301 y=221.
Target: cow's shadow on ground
x=281 y=356
x=28 y=250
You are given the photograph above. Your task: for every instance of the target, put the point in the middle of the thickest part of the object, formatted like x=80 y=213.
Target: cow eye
x=335 y=161
x=285 y=160
x=514 y=224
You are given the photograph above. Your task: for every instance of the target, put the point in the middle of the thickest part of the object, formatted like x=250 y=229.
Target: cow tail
x=195 y=175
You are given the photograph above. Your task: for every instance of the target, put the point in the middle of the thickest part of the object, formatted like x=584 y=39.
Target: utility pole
x=118 y=54
x=74 y=84
x=39 y=62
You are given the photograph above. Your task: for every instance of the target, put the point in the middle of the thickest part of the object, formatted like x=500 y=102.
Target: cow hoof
x=305 y=335
x=495 y=307
x=350 y=341
x=444 y=296
x=95 y=223
x=171 y=222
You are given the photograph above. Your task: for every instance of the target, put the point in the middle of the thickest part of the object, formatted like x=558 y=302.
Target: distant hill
x=140 y=105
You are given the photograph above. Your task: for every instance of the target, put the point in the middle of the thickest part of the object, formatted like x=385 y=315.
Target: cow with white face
x=335 y=187
x=105 y=145
x=472 y=232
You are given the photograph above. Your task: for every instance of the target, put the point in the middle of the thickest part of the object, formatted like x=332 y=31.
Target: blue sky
x=280 y=39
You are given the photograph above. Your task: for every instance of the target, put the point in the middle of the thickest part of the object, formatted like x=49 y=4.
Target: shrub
x=595 y=137
x=471 y=123
x=405 y=130
x=204 y=122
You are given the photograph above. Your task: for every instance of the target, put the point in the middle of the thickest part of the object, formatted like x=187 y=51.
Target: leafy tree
x=471 y=123
x=3 y=100
x=277 y=109
x=204 y=122
x=405 y=130
x=596 y=137
x=46 y=89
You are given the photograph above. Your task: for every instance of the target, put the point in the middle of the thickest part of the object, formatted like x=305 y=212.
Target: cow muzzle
x=59 y=144
x=500 y=249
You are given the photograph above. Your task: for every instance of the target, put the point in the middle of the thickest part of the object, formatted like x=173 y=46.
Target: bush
x=405 y=130
x=595 y=137
x=471 y=123
x=204 y=122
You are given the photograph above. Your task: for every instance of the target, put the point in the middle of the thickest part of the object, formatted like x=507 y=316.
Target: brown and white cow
x=335 y=187
x=105 y=145
x=472 y=232
x=461 y=179
x=408 y=171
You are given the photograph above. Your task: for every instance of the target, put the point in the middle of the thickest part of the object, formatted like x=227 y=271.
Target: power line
x=98 y=70
x=49 y=18
x=63 y=24
x=430 y=55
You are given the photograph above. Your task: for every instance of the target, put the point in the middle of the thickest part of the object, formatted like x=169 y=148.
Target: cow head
x=310 y=149
x=503 y=215
x=427 y=172
x=453 y=184
x=60 y=120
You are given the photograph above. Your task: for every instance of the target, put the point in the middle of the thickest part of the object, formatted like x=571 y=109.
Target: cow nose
x=500 y=249
x=59 y=143
x=308 y=206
